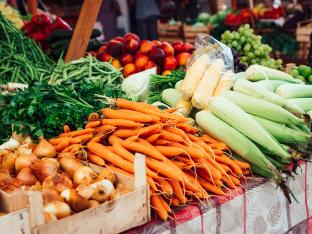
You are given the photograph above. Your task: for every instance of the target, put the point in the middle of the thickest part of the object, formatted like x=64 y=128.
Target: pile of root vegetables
x=181 y=163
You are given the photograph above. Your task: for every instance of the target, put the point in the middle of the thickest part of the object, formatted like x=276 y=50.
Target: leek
x=282 y=133
x=271 y=85
x=237 y=142
x=262 y=108
x=243 y=122
x=252 y=89
x=295 y=91
x=170 y=96
x=257 y=72
x=240 y=75
x=304 y=103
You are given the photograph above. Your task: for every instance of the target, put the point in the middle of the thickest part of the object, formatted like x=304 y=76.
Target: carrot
x=84 y=138
x=225 y=160
x=78 y=132
x=122 y=123
x=172 y=137
x=129 y=115
x=97 y=138
x=191 y=152
x=103 y=152
x=234 y=180
x=217 y=151
x=74 y=140
x=55 y=140
x=203 y=174
x=66 y=128
x=171 y=110
x=93 y=117
x=158 y=207
x=208 y=139
x=187 y=128
x=69 y=148
x=242 y=165
x=178 y=163
x=140 y=148
x=62 y=144
x=246 y=172
x=169 y=151
x=228 y=182
x=219 y=145
x=165 y=204
x=149 y=130
x=177 y=191
x=161 y=142
x=225 y=167
x=122 y=152
x=93 y=124
x=193 y=181
x=210 y=187
x=176 y=131
x=96 y=160
x=211 y=170
x=76 y=149
x=105 y=129
x=125 y=133
x=174 y=201
x=152 y=138
x=193 y=138
x=164 y=186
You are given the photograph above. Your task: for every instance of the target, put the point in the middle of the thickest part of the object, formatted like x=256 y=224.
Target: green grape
x=243 y=59
x=236 y=36
x=242 y=39
x=253 y=61
x=247 y=47
x=231 y=36
x=238 y=48
x=279 y=62
x=250 y=55
x=234 y=44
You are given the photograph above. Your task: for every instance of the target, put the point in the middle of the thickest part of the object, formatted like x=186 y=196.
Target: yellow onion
x=48 y=217
x=24 y=161
x=44 y=168
x=50 y=195
x=26 y=177
x=70 y=165
x=76 y=202
x=108 y=175
x=24 y=149
x=93 y=203
x=58 y=208
x=85 y=191
x=84 y=175
x=57 y=181
x=44 y=149
x=104 y=190
x=9 y=161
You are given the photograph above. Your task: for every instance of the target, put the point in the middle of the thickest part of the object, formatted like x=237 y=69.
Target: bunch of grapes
x=249 y=47
x=238 y=65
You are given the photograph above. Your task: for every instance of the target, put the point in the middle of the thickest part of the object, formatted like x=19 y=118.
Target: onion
x=26 y=177
x=84 y=175
x=57 y=181
x=27 y=140
x=24 y=149
x=24 y=161
x=50 y=195
x=11 y=144
x=77 y=203
x=85 y=191
x=44 y=168
x=107 y=174
x=67 y=154
x=52 y=160
x=93 y=203
x=103 y=190
x=58 y=208
x=48 y=217
x=9 y=161
x=5 y=175
x=44 y=149
x=70 y=165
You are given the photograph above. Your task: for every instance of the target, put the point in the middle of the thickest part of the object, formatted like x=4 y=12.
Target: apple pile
x=136 y=55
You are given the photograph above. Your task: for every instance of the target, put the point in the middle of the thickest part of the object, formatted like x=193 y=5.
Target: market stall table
x=259 y=208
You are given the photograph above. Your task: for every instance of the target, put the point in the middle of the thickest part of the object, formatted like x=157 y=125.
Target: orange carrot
x=228 y=182
x=176 y=131
x=178 y=163
x=135 y=116
x=69 y=148
x=208 y=139
x=78 y=132
x=242 y=165
x=164 y=186
x=172 y=137
x=210 y=187
x=187 y=128
x=97 y=138
x=105 y=129
x=225 y=167
x=62 y=144
x=177 y=191
x=191 y=152
x=246 y=172
x=225 y=160
x=211 y=170
x=103 y=152
x=193 y=180
x=152 y=138
x=170 y=151
x=158 y=207
x=217 y=151
x=174 y=201
x=234 y=180
x=161 y=142
x=66 y=128
x=93 y=124
x=171 y=110
x=93 y=117
x=219 y=145
x=84 y=138
x=122 y=123
x=193 y=138
x=165 y=204
x=203 y=174
x=125 y=133
x=96 y=160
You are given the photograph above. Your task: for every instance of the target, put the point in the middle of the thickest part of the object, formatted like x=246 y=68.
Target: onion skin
x=44 y=149
x=58 y=182
x=108 y=175
x=84 y=175
x=70 y=165
x=100 y=195
x=44 y=168
x=24 y=161
x=76 y=202
x=49 y=195
x=58 y=208
x=93 y=203
x=85 y=191
x=48 y=217
x=26 y=177
x=9 y=161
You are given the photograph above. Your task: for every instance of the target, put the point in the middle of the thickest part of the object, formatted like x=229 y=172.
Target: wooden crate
x=127 y=211
x=190 y=32
x=168 y=32
x=15 y=223
x=10 y=202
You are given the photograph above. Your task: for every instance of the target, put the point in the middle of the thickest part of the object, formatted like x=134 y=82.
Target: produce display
x=136 y=55
x=249 y=47
x=11 y=14
x=303 y=73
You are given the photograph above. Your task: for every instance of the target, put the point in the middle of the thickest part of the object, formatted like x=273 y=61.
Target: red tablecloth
x=260 y=207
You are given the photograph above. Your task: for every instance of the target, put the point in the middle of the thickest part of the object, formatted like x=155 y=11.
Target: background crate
x=168 y=32
x=303 y=31
x=190 y=32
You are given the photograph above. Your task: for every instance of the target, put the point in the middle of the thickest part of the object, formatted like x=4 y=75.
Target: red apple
x=170 y=63
x=104 y=57
x=102 y=49
x=156 y=43
x=157 y=55
x=126 y=58
x=114 y=48
x=187 y=47
x=131 y=46
x=168 y=49
x=182 y=58
x=118 y=39
x=131 y=36
x=140 y=61
x=177 y=46
x=146 y=47
x=149 y=65
x=129 y=69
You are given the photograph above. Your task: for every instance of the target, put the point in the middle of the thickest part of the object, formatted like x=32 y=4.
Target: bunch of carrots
x=181 y=163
